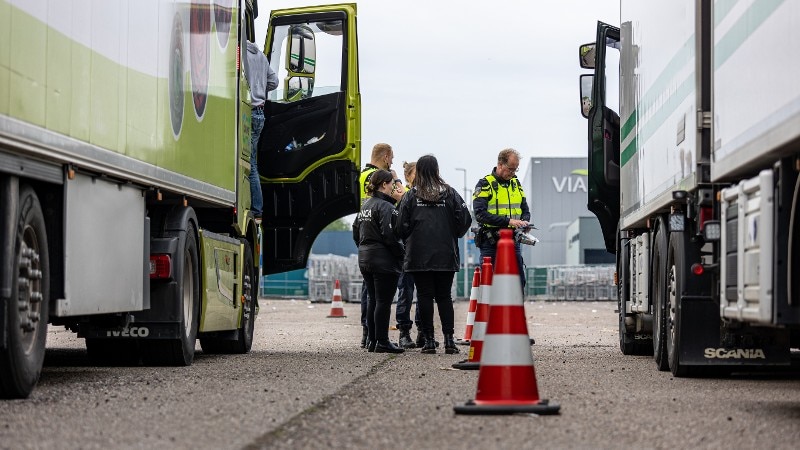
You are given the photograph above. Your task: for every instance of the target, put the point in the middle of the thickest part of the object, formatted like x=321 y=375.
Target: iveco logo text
x=738 y=353
x=130 y=332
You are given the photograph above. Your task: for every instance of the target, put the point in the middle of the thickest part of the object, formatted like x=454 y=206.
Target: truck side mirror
x=586 y=94
x=299 y=88
x=586 y=55
x=302 y=52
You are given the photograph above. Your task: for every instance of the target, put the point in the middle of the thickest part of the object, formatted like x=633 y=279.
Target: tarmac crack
x=266 y=439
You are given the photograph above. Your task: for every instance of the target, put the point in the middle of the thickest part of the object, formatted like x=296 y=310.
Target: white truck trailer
x=694 y=153
x=125 y=141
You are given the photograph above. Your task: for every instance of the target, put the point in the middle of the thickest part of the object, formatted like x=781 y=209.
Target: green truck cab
x=124 y=163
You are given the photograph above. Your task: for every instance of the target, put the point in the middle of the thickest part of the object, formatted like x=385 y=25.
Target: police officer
x=381 y=158
x=380 y=254
x=499 y=202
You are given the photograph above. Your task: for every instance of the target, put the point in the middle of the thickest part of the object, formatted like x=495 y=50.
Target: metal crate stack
x=323 y=271
x=579 y=283
x=354 y=280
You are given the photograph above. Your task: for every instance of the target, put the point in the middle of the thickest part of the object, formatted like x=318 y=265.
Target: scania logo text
x=737 y=353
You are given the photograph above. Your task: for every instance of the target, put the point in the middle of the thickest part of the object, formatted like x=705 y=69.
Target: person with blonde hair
x=405 y=285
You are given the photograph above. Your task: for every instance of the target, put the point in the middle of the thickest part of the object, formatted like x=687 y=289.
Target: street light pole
x=464 y=254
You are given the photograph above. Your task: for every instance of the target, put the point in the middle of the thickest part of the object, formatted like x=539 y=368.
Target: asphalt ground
x=307 y=384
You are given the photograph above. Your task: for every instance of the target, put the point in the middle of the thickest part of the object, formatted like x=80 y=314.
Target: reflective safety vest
x=363 y=180
x=502 y=200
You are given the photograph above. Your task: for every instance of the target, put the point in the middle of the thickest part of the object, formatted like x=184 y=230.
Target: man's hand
x=516 y=223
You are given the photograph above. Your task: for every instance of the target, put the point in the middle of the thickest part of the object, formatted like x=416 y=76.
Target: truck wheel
x=658 y=274
x=180 y=352
x=250 y=298
x=676 y=272
x=27 y=308
x=244 y=335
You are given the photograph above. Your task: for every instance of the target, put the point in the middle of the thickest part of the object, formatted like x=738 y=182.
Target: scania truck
x=693 y=112
x=125 y=206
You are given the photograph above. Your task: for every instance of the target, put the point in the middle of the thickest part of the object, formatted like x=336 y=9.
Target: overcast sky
x=464 y=79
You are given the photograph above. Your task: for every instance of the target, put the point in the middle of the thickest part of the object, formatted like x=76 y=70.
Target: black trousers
x=381 y=288
x=435 y=286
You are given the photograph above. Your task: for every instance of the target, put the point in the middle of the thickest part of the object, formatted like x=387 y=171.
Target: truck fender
x=168 y=235
x=9 y=197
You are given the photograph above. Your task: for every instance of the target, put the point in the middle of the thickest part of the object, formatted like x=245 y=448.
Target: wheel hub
x=29 y=282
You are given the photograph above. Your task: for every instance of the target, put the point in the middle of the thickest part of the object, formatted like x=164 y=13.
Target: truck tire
x=180 y=352
x=27 y=308
x=658 y=275
x=676 y=273
x=250 y=298
x=244 y=335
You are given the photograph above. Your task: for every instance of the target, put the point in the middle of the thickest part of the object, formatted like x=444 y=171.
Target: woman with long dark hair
x=380 y=254
x=432 y=216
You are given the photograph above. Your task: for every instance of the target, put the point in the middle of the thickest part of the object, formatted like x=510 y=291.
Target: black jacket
x=431 y=231
x=379 y=250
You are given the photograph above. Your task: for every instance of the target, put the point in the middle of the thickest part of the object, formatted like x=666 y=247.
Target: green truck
x=124 y=162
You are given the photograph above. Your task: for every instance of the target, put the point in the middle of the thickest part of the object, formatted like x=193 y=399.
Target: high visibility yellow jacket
x=363 y=180
x=495 y=202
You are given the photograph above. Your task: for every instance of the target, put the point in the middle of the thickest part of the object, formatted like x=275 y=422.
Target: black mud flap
x=134 y=331
x=702 y=343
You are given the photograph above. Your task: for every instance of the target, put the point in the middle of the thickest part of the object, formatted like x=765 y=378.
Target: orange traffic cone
x=507 y=378
x=473 y=306
x=337 y=307
x=481 y=317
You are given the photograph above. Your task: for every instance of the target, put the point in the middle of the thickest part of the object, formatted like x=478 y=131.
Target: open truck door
x=598 y=104
x=310 y=150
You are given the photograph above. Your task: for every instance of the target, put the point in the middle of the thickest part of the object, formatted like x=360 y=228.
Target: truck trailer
x=694 y=154
x=125 y=205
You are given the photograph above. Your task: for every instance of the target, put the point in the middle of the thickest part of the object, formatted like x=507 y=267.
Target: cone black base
x=462 y=341
x=336 y=317
x=466 y=365
x=543 y=407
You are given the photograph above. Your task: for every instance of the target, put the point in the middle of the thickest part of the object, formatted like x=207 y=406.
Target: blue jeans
x=405 y=297
x=489 y=250
x=257 y=201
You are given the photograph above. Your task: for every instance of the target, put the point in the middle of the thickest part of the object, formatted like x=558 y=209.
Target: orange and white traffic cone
x=473 y=306
x=507 y=378
x=337 y=307
x=473 y=362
